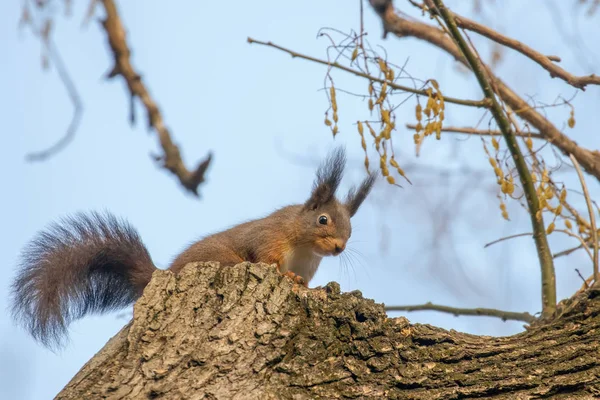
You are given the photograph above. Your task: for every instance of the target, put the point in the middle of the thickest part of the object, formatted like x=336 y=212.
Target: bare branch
x=171 y=159
x=403 y=28
x=481 y=132
x=579 y=82
x=537 y=222
x=586 y=194
x=473 y=103
x=487 y=312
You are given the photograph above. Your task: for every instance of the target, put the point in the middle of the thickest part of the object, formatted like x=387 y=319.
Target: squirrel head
x=325 y=218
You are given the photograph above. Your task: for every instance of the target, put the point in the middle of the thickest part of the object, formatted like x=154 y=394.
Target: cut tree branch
x=486 y=312
x=546 y=62
x=481 y=132
x=171 y=159
x=472 y=103
x=402 y=28
x=537 y=221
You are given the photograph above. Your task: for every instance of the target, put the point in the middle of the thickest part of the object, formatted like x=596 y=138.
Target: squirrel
x=96 y=262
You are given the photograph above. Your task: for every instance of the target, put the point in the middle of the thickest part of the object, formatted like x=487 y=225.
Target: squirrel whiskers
x=95 y=262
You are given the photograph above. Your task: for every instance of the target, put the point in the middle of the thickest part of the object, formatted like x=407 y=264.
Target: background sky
x=261 y=113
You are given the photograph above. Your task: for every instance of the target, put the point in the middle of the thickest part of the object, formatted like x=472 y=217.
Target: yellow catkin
x=571 y=121
x=371 y=130
x=504 y=211
x=435 y=108
x=529 y=143
x=568 y=224
x=387 y=131
x=333 y=100
x=385 y=116
x=558 y=210
x=354 y=54
x=382 y=65
x=390 y=75
x=495 y=144
x=391 y=180
x=550 y=228
x=563 y=195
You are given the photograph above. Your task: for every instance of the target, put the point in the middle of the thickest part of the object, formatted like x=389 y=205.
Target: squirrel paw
x=296 y=278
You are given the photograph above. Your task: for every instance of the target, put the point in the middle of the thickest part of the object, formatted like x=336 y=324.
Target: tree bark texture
x=246 y=332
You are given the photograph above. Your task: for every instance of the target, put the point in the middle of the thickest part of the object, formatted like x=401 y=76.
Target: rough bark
x=246 y=332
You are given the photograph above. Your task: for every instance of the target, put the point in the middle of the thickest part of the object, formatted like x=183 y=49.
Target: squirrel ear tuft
x=356 y=197
x=329 y=176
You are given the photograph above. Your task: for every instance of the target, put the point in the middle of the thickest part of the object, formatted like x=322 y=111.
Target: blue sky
x=261 y=113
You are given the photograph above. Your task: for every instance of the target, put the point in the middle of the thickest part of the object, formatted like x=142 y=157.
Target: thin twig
x=537 y=222
x=563 y=253
x=507 y=238
x=487 y=312
x=588 y=201
x=171 y=159
x=579 y=82
x=481 y=132
x=582 y=278
x=472 y=103
x=583 y=244
x=567 y=251
x=586 y=284
x=61 y=70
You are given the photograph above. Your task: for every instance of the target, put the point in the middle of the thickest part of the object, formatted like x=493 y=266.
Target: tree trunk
x=246 y=332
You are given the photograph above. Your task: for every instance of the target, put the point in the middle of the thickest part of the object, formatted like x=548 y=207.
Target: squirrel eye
x=323 y=220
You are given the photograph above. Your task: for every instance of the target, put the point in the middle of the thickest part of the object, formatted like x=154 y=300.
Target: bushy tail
x=87 y=263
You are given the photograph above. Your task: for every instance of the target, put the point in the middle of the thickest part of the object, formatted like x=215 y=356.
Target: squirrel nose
x=339 y=248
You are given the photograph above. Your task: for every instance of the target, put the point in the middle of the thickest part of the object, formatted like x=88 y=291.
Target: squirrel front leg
x=282 y=268
x=293 y=276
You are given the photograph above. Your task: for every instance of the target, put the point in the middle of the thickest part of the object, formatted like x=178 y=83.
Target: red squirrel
x=96 y=262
